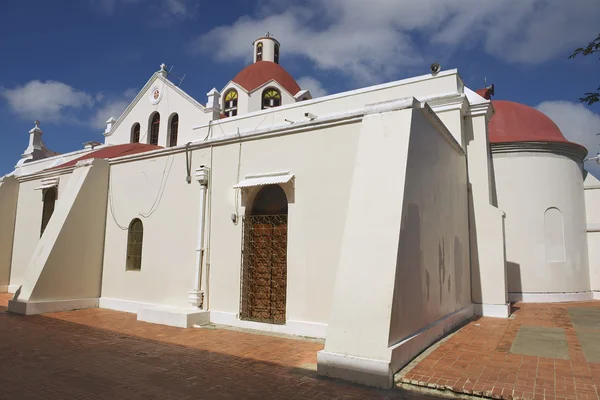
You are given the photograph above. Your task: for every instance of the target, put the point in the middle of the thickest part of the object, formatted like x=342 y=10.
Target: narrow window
x=231 y=103
x=259 y=49
x=48 y=207
x=554 y=235
x=173 y=130
x=271 y=98
x=135 y=133
x=135 y=237
x=154 y=126
x=276 y=56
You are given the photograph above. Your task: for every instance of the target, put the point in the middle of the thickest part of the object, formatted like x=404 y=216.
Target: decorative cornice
x=435 y=120
x=571 y=150
x=447 y=102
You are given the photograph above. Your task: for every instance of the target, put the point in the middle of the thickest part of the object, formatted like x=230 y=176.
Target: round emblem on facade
x=155 y=95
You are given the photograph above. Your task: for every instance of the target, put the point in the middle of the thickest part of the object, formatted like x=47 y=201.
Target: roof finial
x=37 y=124
x=163 y=67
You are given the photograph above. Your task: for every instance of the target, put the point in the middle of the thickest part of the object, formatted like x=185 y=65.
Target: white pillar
x=196 y=296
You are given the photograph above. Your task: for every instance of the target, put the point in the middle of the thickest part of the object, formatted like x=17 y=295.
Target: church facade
x=377 y=219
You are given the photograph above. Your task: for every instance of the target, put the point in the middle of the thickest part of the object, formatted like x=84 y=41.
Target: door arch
x=264 y=257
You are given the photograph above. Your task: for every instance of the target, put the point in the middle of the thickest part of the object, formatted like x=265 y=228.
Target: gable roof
x=156 y=76
x=108 y=152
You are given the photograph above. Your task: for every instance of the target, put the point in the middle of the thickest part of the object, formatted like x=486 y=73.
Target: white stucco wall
x=67 y=261
x=28 y=224
x=433 y=268
x=316 y=212
x=592 y=207
x=322 y=162
x=407 y=219
x=528 y=184
x=487 y=230
x=9 y=191
x=421 y=87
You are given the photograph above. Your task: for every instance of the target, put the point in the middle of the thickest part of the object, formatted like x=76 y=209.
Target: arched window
x=48 y=207
x=135 y=237
x=271 y=98
x=173 y=130
x=231 y=103
x=276 y=56
x=259 y=51
x=154 y=127
x=135 y=133
x=264 y=260
x=554 y=235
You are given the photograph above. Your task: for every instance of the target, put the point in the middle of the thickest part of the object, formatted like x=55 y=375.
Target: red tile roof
x=119 y=150
x=516 y=122
x=261 y=72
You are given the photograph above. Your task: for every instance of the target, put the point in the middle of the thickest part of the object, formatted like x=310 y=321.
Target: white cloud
x=169 y=9
x=372 y=41
x=59 y=103
x=112 y=107
x=315 y=87
x=578 y=124
x=50 y=101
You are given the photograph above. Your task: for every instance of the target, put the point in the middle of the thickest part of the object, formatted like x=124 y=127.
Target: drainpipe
x=196 y=296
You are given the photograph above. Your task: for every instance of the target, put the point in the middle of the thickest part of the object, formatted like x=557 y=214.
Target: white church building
x=377 y=219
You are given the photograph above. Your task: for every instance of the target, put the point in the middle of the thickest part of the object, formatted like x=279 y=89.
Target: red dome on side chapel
x=261 y=72
x=516 y=122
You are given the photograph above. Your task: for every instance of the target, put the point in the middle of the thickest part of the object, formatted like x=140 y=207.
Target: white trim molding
x=47 y=183
x=380 y=373
x=122 y=305
x=41 y=307
x=492 y=310
x=291 y=327
x=550 y=297
x=596 y=295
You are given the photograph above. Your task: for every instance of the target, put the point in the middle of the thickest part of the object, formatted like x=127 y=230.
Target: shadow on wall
x=513 y=275
x=409 y=302
x=476 y=296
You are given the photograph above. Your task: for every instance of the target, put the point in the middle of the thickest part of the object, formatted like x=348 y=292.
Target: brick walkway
x=480 y=358
x=102 y=354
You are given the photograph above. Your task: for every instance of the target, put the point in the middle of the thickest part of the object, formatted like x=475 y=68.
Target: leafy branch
x=592 y=47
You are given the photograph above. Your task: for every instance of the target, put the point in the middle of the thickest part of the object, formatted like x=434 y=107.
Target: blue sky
x=73 y=64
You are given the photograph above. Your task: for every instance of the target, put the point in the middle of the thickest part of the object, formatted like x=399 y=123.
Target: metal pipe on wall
x=196 y=296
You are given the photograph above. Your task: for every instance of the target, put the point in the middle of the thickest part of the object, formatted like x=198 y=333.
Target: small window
x=231 y=103
x=259 y=51
x=49 y=200
x=271 y=98
x=154 y=127
x=135 y=237
x=276 y=56
x=554 y=235
x=173 y=130
x=135 y=133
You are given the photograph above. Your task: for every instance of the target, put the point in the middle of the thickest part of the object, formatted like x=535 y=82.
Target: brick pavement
x=103 y=354
x=478 y=360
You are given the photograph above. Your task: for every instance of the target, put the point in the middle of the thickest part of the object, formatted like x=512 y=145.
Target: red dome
x=515 y=122
x=261 y=72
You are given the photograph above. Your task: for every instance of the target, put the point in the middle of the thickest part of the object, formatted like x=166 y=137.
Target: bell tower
x=266 y=48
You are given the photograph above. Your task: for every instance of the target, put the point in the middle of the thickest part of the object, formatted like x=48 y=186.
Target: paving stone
x=100 y=354
x=541 y=342
x=590 y=345
x=585 y=317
